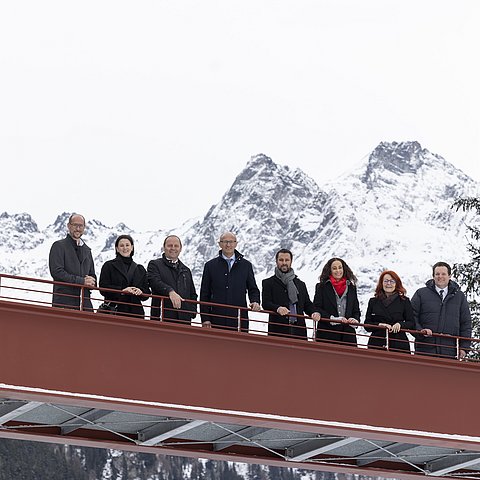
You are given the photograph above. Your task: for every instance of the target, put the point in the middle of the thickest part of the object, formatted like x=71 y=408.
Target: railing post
x=239 y=320
x=457 y=341
x=82 y=296
x=162 y=311
x=387 y=339
x=314 y=336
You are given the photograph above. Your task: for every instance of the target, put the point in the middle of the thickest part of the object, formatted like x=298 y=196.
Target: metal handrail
x=238 y=315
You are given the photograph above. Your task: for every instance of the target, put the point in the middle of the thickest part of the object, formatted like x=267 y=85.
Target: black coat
x=399 y=311
x=113 y=275
x=451 y=317
x=227 y=287
x=274 y=295
x=325 y=303
x=70 y=263
x=163 y=277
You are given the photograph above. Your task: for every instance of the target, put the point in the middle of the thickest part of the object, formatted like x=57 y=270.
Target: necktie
x=441 y=295
x=230 y=263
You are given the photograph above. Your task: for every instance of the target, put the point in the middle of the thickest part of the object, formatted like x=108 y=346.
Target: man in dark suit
x=169 y=277
x=285 y=294
x=227 y=279
x=71 y=261
x=441 y=307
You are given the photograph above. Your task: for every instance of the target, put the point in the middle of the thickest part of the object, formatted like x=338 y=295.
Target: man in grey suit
x=71 y=261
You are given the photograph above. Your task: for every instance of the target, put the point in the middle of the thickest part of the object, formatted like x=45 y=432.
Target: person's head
x=172 y=246
x=284 y=258
x=441 y=274
x=124 y=246
x=228 y=243
x=337 y=268
x=76 y=225
x=389 y=283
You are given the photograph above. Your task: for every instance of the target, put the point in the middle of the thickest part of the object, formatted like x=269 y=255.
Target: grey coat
x=451 y=317
x=66 y=266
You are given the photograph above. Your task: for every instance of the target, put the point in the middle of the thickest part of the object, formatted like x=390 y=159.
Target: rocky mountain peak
x=59 y=226
x=266 y=201
x=395 y=158
x=20 y=222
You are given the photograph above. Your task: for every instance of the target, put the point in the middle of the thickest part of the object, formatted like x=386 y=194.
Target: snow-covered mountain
x=393 y=211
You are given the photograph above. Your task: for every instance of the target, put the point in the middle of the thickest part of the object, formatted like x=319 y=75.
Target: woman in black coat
x=336 y=299
x=391 y=309
x=124 y=275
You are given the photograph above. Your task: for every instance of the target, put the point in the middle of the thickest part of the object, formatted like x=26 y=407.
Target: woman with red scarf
x=336 y=300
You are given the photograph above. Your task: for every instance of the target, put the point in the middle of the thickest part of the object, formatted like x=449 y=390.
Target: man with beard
x=285 y=294
x=169 y=277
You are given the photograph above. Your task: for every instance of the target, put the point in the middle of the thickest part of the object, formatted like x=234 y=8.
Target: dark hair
x=283 y=250
x=170 y=236
x=76 y=215
x=399 y=288
x=442 y=264
x=347 y=271
x=125 y=237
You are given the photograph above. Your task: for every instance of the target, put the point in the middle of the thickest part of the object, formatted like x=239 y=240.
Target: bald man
x=227 y=279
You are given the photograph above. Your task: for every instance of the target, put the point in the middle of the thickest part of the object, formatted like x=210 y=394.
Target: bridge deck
x=106 y=381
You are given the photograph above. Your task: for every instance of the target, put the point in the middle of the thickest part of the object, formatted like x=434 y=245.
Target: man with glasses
x=441 y=307
x=71 y=261
x=226 y=279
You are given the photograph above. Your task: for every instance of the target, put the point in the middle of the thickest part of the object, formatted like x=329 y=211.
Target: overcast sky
x=145 y=111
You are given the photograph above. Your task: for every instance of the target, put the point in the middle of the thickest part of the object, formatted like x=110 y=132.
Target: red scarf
x=339 y=285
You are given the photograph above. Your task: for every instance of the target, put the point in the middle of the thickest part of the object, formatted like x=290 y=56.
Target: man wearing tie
x=227 y=279
x=71 y=261
x=441 y=307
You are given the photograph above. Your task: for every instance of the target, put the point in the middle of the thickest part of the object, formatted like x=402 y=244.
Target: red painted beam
x=232 y=376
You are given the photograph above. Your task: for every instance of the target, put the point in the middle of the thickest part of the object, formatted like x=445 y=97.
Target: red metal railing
x=37 y=291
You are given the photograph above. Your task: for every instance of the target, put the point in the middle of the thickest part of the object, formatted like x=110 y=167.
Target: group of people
x=439 y=307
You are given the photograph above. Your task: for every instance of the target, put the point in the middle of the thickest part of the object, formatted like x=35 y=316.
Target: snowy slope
x=393 y=211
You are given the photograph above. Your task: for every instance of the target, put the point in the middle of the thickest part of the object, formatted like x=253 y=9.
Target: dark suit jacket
x=227 y=287
x=274 y=295
x=113 y=276
x=325 y=302
x=66 y=266
x=164 y=277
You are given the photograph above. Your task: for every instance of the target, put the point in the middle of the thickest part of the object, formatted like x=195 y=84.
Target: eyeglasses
x=228 y=242
x=389 y=282
x=79 y=226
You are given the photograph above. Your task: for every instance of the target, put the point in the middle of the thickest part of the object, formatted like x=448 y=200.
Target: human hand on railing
x=316 y=316
x=386 y=325
x=351 y=321
x=89 y=281
x=255 y=306
x=207 y=324
x=395 y=328
x=462 y=354
x=426 y=331
x=283 y=311
x=176 y=299
x=132 y=290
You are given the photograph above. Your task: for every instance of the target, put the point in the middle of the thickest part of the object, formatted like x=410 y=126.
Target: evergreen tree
x=468 y=274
